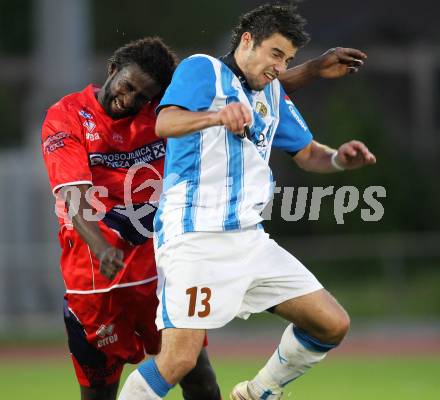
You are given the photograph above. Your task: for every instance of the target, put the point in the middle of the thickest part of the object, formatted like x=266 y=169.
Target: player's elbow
x=303 y=163
x=304 y=157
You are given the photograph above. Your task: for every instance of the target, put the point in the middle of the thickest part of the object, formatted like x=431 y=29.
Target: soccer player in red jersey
x=99 y=147
x=105 y=164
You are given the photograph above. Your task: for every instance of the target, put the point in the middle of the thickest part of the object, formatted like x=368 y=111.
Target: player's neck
x=231 y=61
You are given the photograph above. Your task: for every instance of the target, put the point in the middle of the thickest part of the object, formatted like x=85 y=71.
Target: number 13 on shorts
x=199 y=297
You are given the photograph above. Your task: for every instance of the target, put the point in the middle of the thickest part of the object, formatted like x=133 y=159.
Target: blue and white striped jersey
x=214 y=180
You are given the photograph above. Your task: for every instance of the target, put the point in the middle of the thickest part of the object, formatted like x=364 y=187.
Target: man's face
x=263 y=63
x=126 y=91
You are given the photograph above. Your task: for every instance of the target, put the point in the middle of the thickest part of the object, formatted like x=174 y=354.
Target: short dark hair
x=268 y=19
x=152 y=55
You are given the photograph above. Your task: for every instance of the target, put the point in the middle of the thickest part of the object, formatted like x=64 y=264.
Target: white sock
x=137 y=388
x=289 y=361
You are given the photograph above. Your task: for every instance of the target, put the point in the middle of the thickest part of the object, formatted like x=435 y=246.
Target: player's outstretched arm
x=174 y=121
x=110 y=257
x=334 y=63
x=317 y=157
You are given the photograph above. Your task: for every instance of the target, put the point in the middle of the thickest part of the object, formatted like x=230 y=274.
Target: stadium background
x=385 y=273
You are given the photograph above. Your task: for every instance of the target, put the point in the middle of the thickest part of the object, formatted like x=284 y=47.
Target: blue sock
x=151 y=374
x=311 y=343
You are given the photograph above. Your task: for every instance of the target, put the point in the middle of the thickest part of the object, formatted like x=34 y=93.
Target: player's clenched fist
x=111 y=261
x=234 y=117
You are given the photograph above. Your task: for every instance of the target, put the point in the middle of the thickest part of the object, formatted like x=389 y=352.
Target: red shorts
x=107 y=330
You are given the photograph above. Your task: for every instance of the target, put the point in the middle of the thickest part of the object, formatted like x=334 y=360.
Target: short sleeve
x=292 y=134
x=192 y=86
x=64 y=153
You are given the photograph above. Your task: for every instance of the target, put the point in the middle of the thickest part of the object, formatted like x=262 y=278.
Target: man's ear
x=246 y=39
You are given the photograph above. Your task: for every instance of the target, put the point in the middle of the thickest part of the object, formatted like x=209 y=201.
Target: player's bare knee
x=337 y=328
x=331 y=328
x=336 y=321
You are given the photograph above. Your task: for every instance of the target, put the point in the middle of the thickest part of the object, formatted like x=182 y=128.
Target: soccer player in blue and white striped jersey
x=214 y=260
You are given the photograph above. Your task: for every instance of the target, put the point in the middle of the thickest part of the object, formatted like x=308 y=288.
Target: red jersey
x=123 y=159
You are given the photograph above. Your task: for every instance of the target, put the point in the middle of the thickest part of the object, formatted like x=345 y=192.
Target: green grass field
x=405 y=378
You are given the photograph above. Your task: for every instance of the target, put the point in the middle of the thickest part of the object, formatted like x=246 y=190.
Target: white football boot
x=244 y=391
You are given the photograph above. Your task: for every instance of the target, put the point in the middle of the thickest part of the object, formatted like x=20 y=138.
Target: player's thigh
x=318 y=313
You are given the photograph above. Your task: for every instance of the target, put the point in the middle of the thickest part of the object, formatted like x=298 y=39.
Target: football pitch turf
x=340 y=378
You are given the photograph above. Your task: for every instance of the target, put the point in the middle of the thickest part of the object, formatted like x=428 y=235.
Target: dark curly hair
x=268 y=19
x=152 y=55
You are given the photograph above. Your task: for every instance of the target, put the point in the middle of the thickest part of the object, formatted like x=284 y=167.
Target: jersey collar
x=229 y=60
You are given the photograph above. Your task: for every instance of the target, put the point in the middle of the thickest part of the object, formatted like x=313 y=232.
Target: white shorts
x=208 y=278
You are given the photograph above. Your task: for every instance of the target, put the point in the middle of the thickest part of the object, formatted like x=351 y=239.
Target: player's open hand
x=111 y=261
x=339 y=61
x=354 y=154
x=235 y=116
